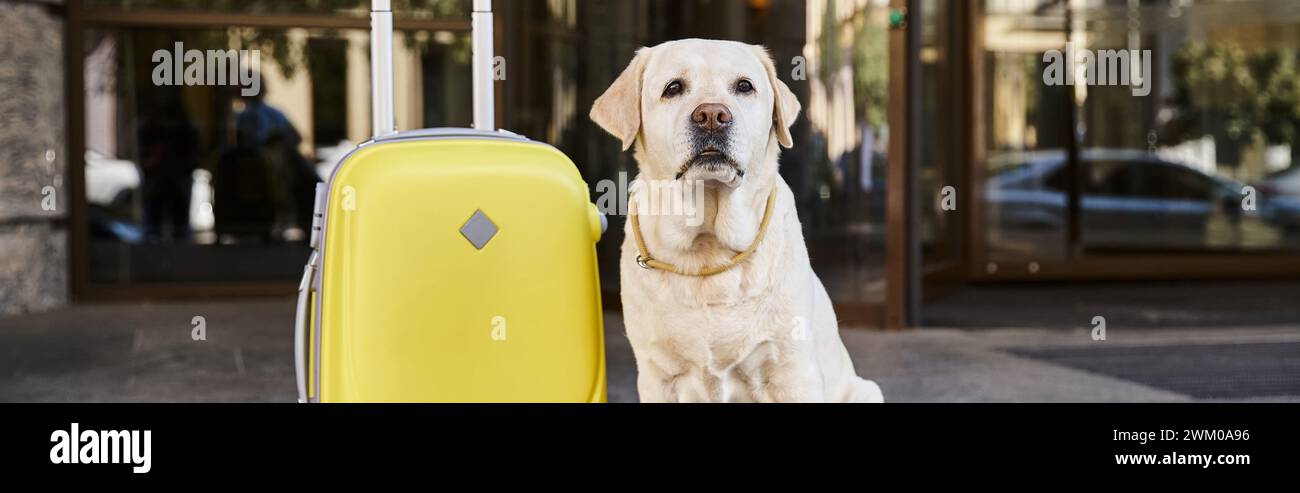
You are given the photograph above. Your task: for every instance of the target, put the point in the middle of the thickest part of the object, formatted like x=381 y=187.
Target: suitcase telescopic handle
x=482 y=65
x=381 y=67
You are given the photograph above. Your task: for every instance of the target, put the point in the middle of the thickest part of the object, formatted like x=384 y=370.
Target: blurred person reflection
x=266 y=162
x=169 y=153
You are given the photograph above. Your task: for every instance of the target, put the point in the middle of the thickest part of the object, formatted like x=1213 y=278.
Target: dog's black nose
x=711 y=116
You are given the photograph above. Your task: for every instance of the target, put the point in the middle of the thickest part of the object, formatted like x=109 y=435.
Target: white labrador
x=762 y=329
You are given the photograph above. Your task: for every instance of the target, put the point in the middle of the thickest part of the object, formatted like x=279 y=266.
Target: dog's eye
x=674 y=88
x=744 y=86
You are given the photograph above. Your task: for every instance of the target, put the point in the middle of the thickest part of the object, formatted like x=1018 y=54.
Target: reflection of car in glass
x=110 y=182
x=1129 y=199
x=1282 y=183
x=1281 y=200
x=111 y=188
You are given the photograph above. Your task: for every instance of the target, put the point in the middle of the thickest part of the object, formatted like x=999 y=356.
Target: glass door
x=843 y=175
x=944 y=115
x=201 y=142
x=1136 y=139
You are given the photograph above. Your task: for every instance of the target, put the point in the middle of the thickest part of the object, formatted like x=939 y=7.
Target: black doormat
x=1202 y=371
x=1149 y=305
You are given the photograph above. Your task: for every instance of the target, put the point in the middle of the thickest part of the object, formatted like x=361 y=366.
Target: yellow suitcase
x=451 y=265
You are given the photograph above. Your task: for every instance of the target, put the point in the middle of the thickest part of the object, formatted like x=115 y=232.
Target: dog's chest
x=720 y=323
x=716 y=320
x=721 y=354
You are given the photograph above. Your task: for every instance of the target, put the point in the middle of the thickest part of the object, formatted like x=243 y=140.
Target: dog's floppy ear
x=618 y=111
x=785 y=108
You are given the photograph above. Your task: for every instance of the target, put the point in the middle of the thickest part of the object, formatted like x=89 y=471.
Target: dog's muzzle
x=710 y=151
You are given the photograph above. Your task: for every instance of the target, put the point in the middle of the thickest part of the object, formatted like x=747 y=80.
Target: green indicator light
x=897 y=18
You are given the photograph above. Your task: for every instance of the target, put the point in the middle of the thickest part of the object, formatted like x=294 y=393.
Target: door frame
x=902 y=214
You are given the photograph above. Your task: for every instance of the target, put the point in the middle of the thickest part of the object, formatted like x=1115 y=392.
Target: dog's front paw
x=866 y=391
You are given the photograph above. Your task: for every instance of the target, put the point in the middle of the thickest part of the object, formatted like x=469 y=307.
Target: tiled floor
x=1204 y=371
x=144 y=352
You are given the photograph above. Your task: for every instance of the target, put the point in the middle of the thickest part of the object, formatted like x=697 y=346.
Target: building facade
x=33 y=163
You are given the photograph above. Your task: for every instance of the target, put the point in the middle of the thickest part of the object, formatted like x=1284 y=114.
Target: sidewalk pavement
x=144 y=353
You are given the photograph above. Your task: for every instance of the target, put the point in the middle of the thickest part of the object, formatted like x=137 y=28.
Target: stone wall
x=33 y=162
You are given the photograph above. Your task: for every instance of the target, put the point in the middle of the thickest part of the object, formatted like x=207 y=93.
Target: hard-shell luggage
x=451 y=265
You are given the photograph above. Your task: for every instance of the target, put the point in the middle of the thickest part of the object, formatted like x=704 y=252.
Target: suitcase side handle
x=303 y=315
x=301 y=319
